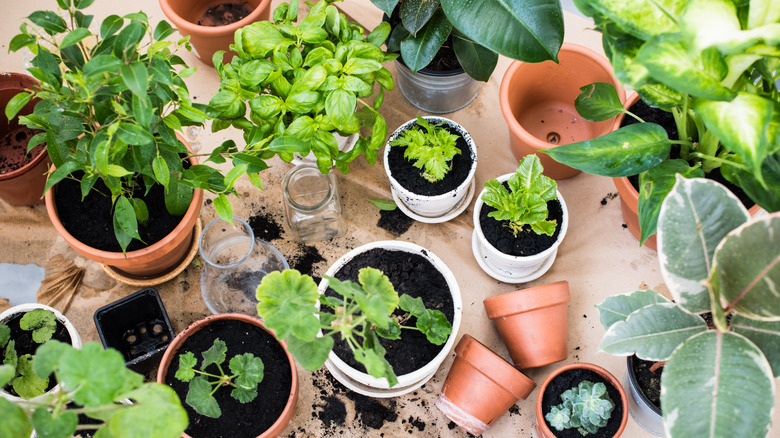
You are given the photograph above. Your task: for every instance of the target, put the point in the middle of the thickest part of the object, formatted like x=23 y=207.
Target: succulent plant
x=586 y=407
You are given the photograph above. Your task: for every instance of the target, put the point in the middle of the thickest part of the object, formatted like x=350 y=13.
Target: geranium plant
x=431 y=147
x=288 y=303
x=41 y=324
x=713 y=260
x=585 y=407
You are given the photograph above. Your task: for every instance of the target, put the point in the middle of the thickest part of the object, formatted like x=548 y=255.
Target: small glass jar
x=311 y=200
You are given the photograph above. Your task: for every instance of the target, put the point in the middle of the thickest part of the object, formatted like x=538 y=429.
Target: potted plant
x=306 y=85
x=520 y=219
x=431 y=162
x=532 y=323
x=480 y=387
x=447 y=47
x=722 y=106
x=581 y=399
x=23 y=329
x=362 y=317
x=210 y=24
x=239 y=353
x=22 y=171
x=644 y=393
x=713 y=259
x=95 y=389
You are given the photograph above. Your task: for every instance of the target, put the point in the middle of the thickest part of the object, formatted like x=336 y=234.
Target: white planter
x=509 y=268
x=439 y=205
x=75 y=339
x=367 y=384
x=345 y=145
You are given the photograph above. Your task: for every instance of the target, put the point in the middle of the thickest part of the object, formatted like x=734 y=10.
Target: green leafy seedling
x=432 y=150
x=247 y=372
x=41 y=322
x=586 y=407
x=383 y=204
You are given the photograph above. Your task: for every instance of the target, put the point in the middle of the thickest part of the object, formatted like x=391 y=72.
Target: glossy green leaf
x=765 y=193
x=200 y=398
x=16 y=103
x=695 y=216
x=133 y=134
x=21 y=41
x=379 y=34
x=160 y=169
x=125 y=217
x=48 y=425
x=435 y=326
x=477 y=61
x=616 y=308
x=598 y=101
x=102 y=64
x=49 y=21
x=712 y=379
x=765 y=334
x=129 y=36
x=223 y=207
x=163 y=30
x=110 y=26
x=75 y=37
x=418 y=51
x=286 y=302
x=386 y=6
x=136 y=77
x=178 y=197
x=289 y=144
x=340 y=107
x=416 y=13
x=384 y=204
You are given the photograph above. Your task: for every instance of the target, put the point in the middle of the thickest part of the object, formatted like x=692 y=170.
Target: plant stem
x=719 y=160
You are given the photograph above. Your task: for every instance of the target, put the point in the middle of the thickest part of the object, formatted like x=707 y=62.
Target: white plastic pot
x=367 y=384
x=75 y=339
x=345 y=145
x=439 y=205
x=509 y=268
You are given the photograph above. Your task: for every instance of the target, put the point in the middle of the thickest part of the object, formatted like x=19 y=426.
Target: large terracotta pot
x=537 y=102
x=206 y=40
x=533 y=323
x=23 y=186
x=541 y=426
x=480 y=387
x=150 y=262
x=284 y=419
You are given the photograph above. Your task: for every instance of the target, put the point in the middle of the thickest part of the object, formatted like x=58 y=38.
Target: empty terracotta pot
x=533 y=323
x=184 y=14
x=537 y=101
x=480 y=387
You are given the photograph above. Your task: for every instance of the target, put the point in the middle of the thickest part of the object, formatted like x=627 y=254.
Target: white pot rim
x=420 y=375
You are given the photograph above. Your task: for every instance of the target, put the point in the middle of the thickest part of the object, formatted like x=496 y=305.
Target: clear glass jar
x=311 y=200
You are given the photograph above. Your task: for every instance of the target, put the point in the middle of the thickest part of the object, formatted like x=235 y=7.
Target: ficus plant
x=432 y=148
x=93 y=382
x=359 y=315
x=303 y=84
x=714 y=65
x=585 y=407
x=41 y=325
x=524 y=203
x=714 y=259
x=478 y=31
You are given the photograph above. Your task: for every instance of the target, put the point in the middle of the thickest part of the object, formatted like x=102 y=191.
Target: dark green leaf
x=416 y=13
x=129 y=36
x=418 y=51
x=124 y=214
x=20 y=41
x=216 y=354
x=75 y=37
x=110 y=26
x=386 y=6
x=100 y=64
x=598 y=101
x=478 y=61
x=136 y=77
x=178 y=197
x=163 y=30
x=60 y=173
x=49 y=21
x=200 y=398
x=16 y=104
x=133 y=134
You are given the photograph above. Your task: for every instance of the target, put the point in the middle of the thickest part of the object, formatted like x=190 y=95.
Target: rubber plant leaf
x=765 y=334
x=710 y=380
x=477 y=61
x=616 y=308
x=418 y=51
x=286 y=302
x=156 y=411
x=415 y=13
x=530 y=31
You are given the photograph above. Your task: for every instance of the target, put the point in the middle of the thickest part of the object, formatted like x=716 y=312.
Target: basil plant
x=304 y=83
x=478 y=29
x=714 y=65
x=719 y=380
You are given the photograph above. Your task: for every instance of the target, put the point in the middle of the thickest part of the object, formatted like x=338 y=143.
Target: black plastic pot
x=136 y=325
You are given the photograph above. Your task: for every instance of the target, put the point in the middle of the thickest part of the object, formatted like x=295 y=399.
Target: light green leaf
x=178 y=197
x=48 y=426
x=7 y=373
x=125 y=217
x=47 y=357
x=286 y=302
x=766 y=336
x=16 y=104
x=310 y=354
x=160 y=169
x=763 y=12
x=200 y=398
x=75 y=37
x=186 y=371
x=223 y=207
x=15 y=423
x=136 y=77
x=96 y=376
x=708 y=23
x=214 y=355
x=133 y=134
x=249 y=371
x=5 y=335
x=616 y=308
x=27 y=384
x=383 y=204
x=156 y=411
x=435 y=326
x=41 y=322
x=340 y=107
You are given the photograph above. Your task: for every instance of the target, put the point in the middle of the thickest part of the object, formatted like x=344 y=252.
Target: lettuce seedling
x=360 y=315
x=525 y=203
x=247 y=372
x=432 y=150
x=42 y=324
x=586 y=407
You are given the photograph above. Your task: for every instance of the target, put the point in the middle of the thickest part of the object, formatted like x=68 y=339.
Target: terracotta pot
x=206 y=40
x=154 y=260
x=281 y=423
x=541 y=426
x=480 y=387
x=537 y=102
x=533 y=323
x=23 y=186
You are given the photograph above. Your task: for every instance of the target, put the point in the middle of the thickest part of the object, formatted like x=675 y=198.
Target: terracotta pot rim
x=196 y=326
x=487 y=362
x=540 y=422
x=212 y=31
x=526 y=300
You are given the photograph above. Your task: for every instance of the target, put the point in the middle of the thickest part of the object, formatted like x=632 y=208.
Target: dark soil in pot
x=571 y=378
x=91 y=222
x=13 y=149
x=223 y=14
x=410 y=274
x=649 y=382
x=238 y=420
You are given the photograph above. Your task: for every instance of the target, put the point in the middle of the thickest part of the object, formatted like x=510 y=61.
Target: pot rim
x=212 y=31
x=527 y=300
x=176 y=343
x=487 y=362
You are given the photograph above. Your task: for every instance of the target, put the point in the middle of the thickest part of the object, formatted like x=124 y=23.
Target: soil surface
x=571 y=378
x=91 y=221
x=224 y=14
x=13 y=149
x=649 y=382
x=411 y=177
x=410 y=274
x=238 y=420
x=394 y=222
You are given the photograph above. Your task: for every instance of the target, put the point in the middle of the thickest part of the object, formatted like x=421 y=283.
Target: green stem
x=639 y=119
x=720 y=160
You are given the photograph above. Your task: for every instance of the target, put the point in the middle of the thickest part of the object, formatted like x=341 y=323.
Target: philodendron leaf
x=766 y=336
x=286 y=303
x=41 y=322
x=695 y=216
x=616 y=308
x=598 y=101
x=49 y=426
x=15 y=423
x=712 y=380
x=200 y=398
x=652 y=332
x=746 y=271
x=477 y=61
x=628 y=151
x=418 y=51
x=156 y=411
x=641 y=18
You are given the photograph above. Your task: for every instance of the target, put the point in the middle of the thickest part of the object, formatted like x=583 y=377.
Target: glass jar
x=311 y=200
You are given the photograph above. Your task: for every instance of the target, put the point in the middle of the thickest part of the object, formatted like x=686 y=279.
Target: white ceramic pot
x=75 y=339
x=367 y=384
x=345 y=145
x=439 y=205
x=509 y=268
